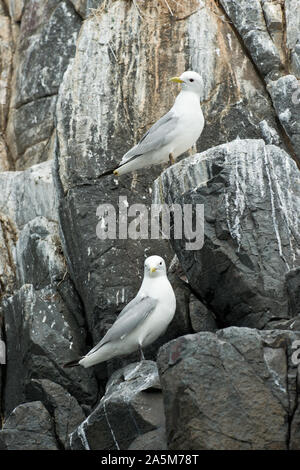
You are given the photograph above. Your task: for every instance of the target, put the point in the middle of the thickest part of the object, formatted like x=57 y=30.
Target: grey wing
x=157 y=136
x=130 y=317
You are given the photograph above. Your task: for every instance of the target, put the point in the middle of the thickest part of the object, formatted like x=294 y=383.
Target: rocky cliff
x=80 y=82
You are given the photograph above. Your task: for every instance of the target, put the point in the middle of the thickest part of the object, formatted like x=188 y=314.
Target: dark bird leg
x=171 y=159
x=142 y=358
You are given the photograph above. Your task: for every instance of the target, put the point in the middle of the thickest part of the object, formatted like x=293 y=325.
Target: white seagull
x=141 y=322
x=171 y=135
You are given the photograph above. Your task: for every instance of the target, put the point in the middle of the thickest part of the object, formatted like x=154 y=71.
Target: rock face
x=249 y=378
x=130 y=410
x=6 y=59
x=91 y=139
x=285 y=95
x=250 y=21
x=45 y=26
x=292 y=10
x=28 y=194
x=275 y=51
x=29 y=427
x=251 y=198
x=44 y=323
x=80 y=83
x=66 y=412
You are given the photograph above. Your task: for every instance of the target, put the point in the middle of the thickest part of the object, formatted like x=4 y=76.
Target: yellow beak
x=176 y=80
x=152 y=270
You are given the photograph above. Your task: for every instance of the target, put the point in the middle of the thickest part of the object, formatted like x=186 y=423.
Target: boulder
x=130 y=409
x=64 y=409
x=235 y=389
x=251 y=199
x=29 y=427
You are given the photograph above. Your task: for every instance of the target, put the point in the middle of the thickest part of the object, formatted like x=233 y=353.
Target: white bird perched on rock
x=171 y=135
x=141 y=322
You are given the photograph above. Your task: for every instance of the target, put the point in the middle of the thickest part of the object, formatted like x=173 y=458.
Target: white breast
x=158 y=321
x=190 y=122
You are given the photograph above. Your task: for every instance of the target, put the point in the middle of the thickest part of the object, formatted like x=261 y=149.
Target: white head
x=155 y=267
x=190 y=81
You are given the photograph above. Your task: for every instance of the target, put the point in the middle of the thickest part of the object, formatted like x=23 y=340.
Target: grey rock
x=64 y=409
x=285 y=93
x=131 y=408
x=42 y=335
x=263 y=52
x=248 y=18
x=45 y=27
x=250 y=193
x=40 y=72
x=293 y=288
x=201 y=318
x=29 y=427
x=216 y=52
x=273 y=15
x=292 y=14
x=29 y=130
x=235 y=389
x=269 y=134
x=28 y=194
x=39 y=256
x=152 y=440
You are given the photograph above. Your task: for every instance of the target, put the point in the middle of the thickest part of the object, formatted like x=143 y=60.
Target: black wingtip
x=72 y=363
x=109 y=172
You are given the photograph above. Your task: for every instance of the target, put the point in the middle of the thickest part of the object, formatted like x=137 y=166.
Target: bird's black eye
x=160 y=263
x=191 y=79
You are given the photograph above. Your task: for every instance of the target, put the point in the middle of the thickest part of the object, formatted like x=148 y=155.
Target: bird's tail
x=72 y=363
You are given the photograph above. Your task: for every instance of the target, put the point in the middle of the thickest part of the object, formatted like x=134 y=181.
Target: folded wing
x=159 y=135
x=130 y=317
